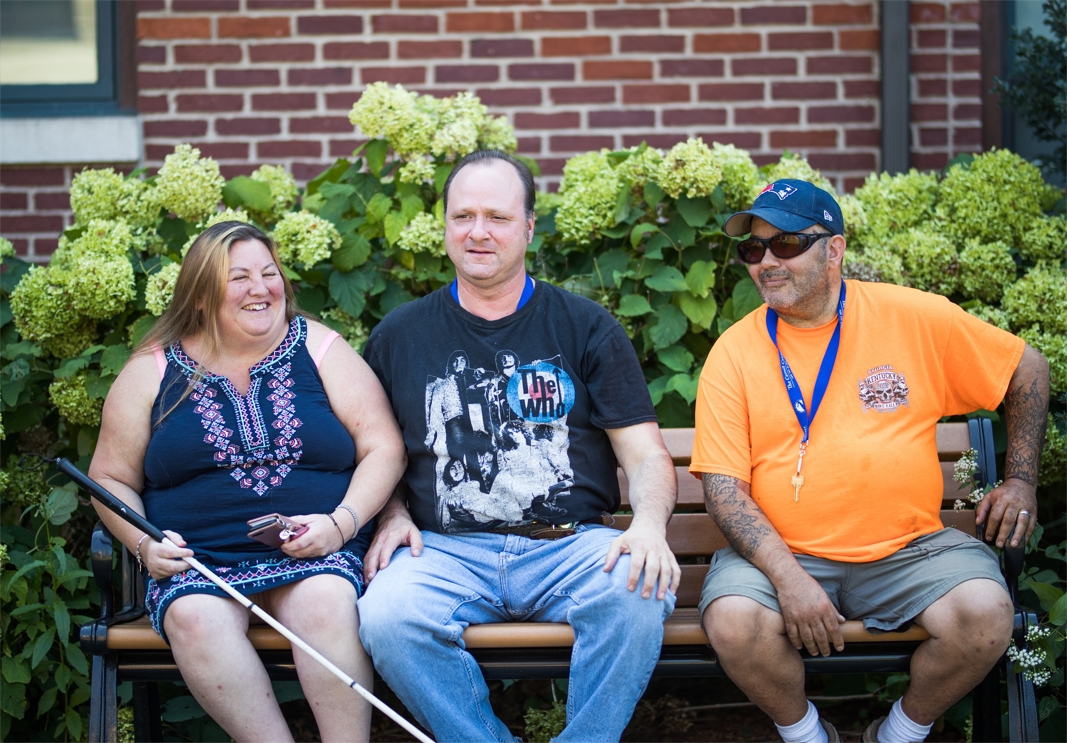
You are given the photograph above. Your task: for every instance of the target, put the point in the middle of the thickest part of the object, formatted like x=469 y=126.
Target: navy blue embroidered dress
x=221 y=458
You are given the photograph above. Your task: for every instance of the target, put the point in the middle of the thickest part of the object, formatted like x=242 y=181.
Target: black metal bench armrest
x=93 y=636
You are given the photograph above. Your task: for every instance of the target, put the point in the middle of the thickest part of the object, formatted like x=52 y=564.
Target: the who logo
x=540 y=392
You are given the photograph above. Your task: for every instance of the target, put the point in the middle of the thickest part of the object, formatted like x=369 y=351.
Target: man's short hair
x=529 y=194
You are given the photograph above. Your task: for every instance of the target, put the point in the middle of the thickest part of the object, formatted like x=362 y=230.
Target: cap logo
x=766 y=188
x=783 y=191
x=826 y=216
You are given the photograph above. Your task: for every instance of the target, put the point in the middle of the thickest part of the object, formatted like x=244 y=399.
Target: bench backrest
x=694 y=536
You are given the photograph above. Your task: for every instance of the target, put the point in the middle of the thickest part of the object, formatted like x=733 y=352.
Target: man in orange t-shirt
x=815 y=440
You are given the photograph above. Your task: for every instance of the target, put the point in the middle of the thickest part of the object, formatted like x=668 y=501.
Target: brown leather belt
x=544 y=530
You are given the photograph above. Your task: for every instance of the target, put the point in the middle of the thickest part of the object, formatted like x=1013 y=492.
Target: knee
x=192 y=624
x=737 y=622
x=390 y=616
x=325 y=603
x=981 y=617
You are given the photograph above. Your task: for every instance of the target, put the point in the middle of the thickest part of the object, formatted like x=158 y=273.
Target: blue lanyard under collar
x=826 y=368
x=527 y=292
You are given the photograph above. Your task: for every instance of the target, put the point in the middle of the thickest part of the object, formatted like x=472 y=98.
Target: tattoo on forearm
x=736 y=514
x=1026 y=410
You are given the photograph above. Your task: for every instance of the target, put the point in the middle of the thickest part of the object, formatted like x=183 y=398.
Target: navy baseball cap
x=791 y=206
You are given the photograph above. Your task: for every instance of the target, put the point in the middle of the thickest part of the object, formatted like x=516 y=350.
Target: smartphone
x=273 y=529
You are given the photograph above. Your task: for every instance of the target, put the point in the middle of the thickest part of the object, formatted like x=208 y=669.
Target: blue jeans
x=414 y=612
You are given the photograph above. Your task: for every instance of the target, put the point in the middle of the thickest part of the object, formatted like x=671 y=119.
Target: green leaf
x=669 y=328
x=330 y=175
x=349 y=290
x=695 y=212
x=656 y=389
x=98 y=387
x=13 y=700
x=700 y=311
x=676 y=358
x=684 y=385
x=70 y=367
x=681 y=234
x=666 y=279
x=140 y=328
x=42 y=645
x=354 y=252
x=609 y=263
x=22 y=571
x=62 y=677
x=16 y=671
x=76 y=658
x=22 y=348
x=1047 y=707
x=701 y=278
x=47 y=701
x=1058 y=613
x=62 y=617
x=618 y=230
x=440 y=176
x=245 y=191
x=632 y=305
x=640 y=231
x=654 y=247
x=395 y=222
x=114 y=358
x=622 y=204
x=1047 y=594
x=74 y=723
x=379 y=206
x=10 y=391
x=653 y=193
x=746 y=298
x=25 y=609
x=394 y=296
x=410 y=206
x=337 y=190
x=376 y=151
x=59 y=505
x=718 y=200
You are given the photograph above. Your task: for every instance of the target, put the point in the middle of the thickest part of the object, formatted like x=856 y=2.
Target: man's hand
x=648 y=550
x=811 y=621
x=1013 y=505
x=394 y=530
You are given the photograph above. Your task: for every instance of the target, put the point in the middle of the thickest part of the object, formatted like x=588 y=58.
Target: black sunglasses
x=783 y=245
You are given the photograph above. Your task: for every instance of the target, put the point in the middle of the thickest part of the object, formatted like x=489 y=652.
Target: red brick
x=357 y=3
x=307 y=171
x=553 y=20
x=626 y=18
x=253 y=28
x=578 y=142
x=541 y=71
x=863 y=88
x=593 y=94
x=652 y=44
x=663 y=141
x=173 y=28
x=246 y=78
x=321 y=76
x=967 y=88
x=151 y=6
x=283 y=52
x=840 y=114
x=468 y=22
x=963 y=38
x=529 y=145
x=699 y=17
x=51 y=201
x=283 y=101
x=575 y=46
x=840 y=15
x=776 y=15
x=248 y=126
x=933 y=87
x=33 y=223
x=509 y=96
x=552 y=166
x=221 y=150
x=863 y=137
x=809 y=138
x=152 y=104
x=329 y=24
x=690 y=116
x=45 y=245
x=853 y=40
x=840 y=64
x=963 y=12
x=410 y=24
x=210 y=6
x=13 y=201
x=764 y=66
x=928 y=63
x=343 y=147
x=288 y=148
x=429 y=49
x=467 y=73
x=967 y=112
x=356 y=50
x=620 y=118
x=851 y=184
x=502 y=48
x=802 y=91
x=173 y=79
x=232 y=170
x=206 y=53
x=320 y=125
x=22 y=247
x=433 y=3
x=866 y=161
x=618 y=69
x=744 y=140
x=966 y=63
x=657 y=93
x=175 y=128
x=930 y=137
x=279 y=4
x=785 y=115
x=967 y=138
x=796 y=41
x=931 y=38
x=926 y=12
x=929 y=160
x=559 y=120
x=341 y=101
x=393 y=75
x=726 y=43
x=731 y=92
x=209 y=103
x=691 y=67
x=928 y=112
x=151 y=54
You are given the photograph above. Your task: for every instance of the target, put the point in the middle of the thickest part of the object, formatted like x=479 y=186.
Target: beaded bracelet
x=355 y=518
x=138 y=550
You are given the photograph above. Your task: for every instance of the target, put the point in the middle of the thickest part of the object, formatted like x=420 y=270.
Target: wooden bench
x=126 y=648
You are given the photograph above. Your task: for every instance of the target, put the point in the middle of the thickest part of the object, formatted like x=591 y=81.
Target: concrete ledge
x=71 y=140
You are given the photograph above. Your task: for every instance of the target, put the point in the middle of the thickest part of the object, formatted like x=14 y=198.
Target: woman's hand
x=321 y=537
x=165 y=560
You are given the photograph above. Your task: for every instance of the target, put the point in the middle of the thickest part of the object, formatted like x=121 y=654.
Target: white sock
x=899 y=728
x=808 y=730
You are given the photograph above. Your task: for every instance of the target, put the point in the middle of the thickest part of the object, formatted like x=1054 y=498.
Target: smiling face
x=253 y=306
x=486 y=228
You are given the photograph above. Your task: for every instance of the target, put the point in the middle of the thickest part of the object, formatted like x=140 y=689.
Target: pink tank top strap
x=161 y=361
x=324 y=347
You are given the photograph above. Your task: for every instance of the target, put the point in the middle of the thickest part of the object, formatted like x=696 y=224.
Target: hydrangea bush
x=638 y=230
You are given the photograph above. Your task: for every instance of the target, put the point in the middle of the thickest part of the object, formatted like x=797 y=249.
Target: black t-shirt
x=504 y=420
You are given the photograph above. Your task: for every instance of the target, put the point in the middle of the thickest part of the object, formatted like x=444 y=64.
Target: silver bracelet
x=137 y=551
x=355 y=518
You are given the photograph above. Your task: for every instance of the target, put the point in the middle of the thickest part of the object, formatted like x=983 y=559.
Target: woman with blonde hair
x=234 y=406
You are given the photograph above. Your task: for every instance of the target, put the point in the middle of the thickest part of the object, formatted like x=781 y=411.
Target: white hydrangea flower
x=416 y=170
x=159 y=291
x=305 y=238
x=425 y=233
x=689 y=168
x=283 y=190
x=188 y=185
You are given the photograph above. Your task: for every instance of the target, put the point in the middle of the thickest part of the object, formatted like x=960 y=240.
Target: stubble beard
x=804 y=296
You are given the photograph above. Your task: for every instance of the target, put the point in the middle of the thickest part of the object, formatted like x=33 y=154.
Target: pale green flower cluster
x=304 y=238
x=986 y=269
x=23 y=487
x=6 y=248
x=226 y=215
x=643 y=165
x=546 y=201
x=690 y=168
x=1053 y=456
x=1045 y=240
x=854 y=214
x=104 y=194
x=740 y=176
x=793 y=167
x=283 y=191
x=159 y=291
x=895 y=203
x=73 y=401
x=588 y=193
x=350 y=328
x=873 y=264
x=425 y=233
x=1040 y=297
x=930 y=259
x=188 y=185
x=416 y=170
x=100 y=237
x=1053 y=346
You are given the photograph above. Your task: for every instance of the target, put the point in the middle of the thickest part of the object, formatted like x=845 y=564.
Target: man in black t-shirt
x=517 y=400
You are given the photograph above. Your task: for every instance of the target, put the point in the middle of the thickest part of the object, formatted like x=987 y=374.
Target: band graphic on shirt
x=883 y=390
x=500 y=439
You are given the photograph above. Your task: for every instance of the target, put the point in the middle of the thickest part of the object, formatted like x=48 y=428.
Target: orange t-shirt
x=872 y=482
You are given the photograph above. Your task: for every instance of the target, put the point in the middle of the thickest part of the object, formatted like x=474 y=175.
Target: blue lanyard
x=527 y=292
x=826 y=368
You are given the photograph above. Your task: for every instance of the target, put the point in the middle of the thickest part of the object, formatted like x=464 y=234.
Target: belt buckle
x=555 y=531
